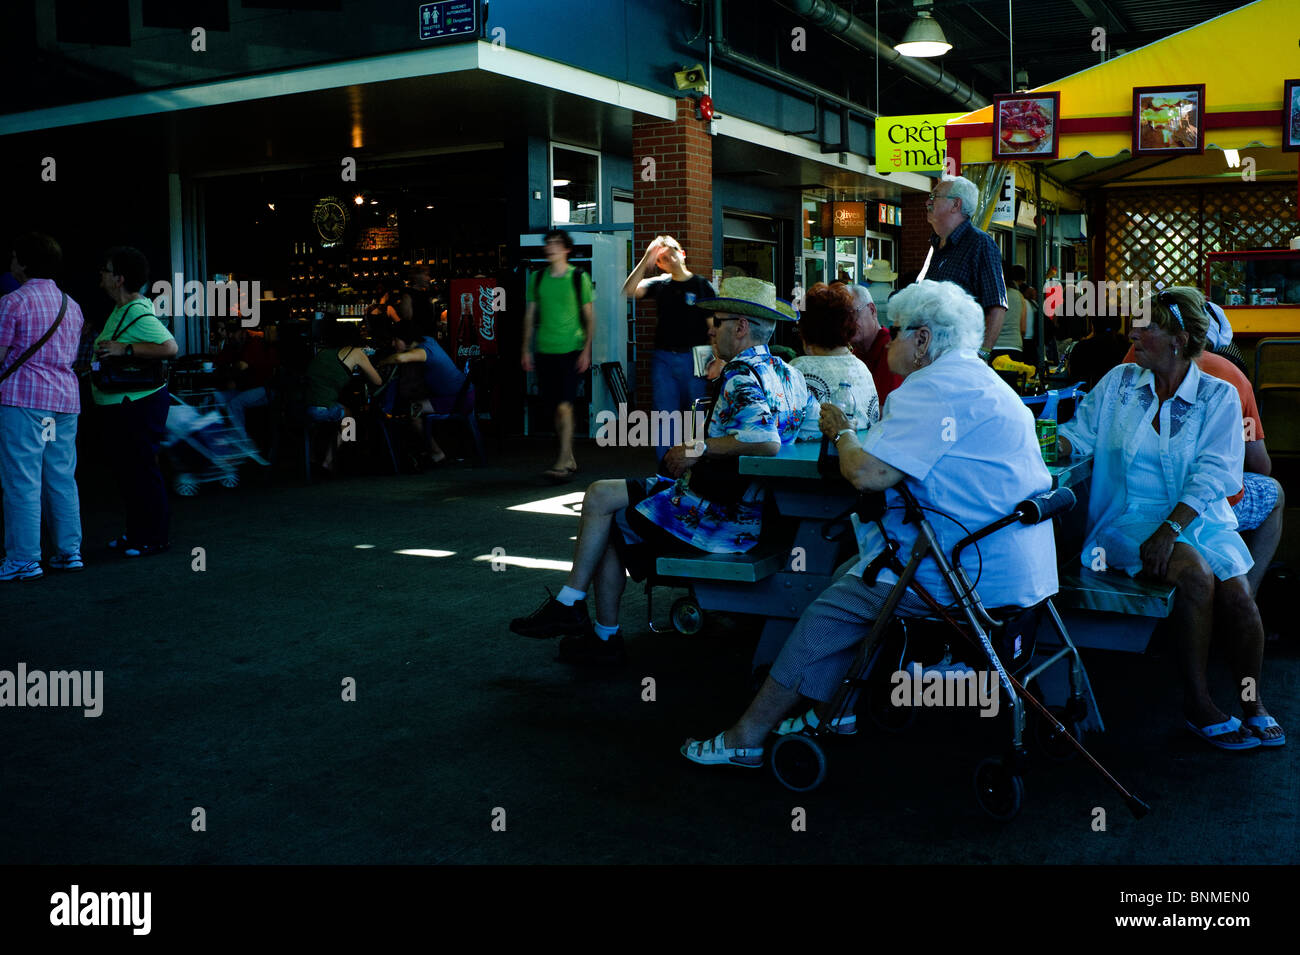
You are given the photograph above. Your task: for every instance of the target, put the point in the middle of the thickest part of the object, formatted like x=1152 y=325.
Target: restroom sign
x=449 y=19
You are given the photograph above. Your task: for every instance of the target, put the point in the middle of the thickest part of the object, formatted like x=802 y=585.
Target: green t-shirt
x=148 y=330
x=559 y=320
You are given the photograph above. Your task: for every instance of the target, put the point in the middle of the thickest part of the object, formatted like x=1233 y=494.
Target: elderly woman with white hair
x=964 y=443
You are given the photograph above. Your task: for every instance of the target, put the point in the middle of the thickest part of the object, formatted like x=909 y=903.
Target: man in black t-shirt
x=674 y=385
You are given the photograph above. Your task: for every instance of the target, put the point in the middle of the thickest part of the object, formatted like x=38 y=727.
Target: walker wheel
x=1050 y=741
x=798 y=762
x=230 y=480
x=686 y=616
x=187 y=485
x=999 y=792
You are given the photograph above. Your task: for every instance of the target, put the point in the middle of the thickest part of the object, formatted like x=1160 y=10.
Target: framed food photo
x=1291 y=116
x=1169 y=120
x=1025 y=126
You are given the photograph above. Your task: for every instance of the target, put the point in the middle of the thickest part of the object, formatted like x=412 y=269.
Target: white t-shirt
x=823 y=373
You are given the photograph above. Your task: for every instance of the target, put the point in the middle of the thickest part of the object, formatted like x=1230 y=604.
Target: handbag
x=114 y=374
x=718 y=480
x=36 y=345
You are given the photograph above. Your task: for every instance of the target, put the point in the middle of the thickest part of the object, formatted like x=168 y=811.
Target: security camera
x=691 y=78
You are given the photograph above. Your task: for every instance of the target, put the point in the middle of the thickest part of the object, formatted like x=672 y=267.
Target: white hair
x=861 y=294
x=966 y=191
x=955 y=319
x=760 y=329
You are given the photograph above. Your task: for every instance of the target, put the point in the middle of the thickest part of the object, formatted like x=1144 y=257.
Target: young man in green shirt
x=564 y=333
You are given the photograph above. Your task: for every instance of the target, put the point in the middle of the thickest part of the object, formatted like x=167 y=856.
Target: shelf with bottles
x=1259 y=289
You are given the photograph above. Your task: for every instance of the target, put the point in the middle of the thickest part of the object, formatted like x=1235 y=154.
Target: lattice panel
x=1163 y=234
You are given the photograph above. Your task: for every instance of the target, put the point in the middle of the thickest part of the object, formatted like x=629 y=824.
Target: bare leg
x=602 y=501
x=611 y=580
x=564 y=431
x=1239 y=618
x=1263 y=542
x=767 y=709
x=1193 y=621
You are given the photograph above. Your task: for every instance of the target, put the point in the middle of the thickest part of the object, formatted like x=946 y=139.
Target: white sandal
x=712 y=752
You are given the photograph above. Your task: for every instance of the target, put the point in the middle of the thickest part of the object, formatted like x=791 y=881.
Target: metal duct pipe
x=835 y=19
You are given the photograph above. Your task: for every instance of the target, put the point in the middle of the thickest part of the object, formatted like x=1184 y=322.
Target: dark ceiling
x=1053 y=38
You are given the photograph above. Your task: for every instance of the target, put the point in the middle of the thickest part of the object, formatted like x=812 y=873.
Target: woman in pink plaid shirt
x=39 y=404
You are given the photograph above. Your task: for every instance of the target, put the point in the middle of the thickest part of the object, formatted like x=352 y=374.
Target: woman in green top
x=134 y=421
x=329 y=373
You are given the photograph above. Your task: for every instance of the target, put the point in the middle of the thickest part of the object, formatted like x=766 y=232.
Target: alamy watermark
x=1083 y=299
x=650 y=429
x=83 y=688
x=213 y=299
x=935 y=687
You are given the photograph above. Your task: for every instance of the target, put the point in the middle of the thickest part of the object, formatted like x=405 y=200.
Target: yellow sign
x=911 y=143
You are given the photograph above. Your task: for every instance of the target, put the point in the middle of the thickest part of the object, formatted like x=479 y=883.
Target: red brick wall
x=915 y=240
x=679 y=201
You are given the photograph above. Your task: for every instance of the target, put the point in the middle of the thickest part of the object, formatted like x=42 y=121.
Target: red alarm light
x=706 y=107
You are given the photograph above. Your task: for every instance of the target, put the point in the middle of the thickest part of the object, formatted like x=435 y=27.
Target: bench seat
x=751 y=567
x=1084 y=589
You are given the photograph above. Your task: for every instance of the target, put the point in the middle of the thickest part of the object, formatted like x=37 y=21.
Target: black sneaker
x=552 y=619
x=589 y=650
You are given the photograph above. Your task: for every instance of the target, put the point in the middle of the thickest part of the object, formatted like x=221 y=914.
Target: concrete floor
x=223 y=691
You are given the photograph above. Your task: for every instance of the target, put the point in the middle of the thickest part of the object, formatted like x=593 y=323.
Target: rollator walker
x=1006 y=637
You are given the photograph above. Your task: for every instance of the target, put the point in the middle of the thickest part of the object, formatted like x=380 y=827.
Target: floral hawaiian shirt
x=748 y=411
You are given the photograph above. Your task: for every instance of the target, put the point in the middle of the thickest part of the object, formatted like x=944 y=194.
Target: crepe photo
x=1168 y=120
x=1025 y=126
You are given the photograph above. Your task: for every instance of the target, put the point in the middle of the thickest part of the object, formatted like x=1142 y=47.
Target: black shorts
x=557 y=378
x=637 y=540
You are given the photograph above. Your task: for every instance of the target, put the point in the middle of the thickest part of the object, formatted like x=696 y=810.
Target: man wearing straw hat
x=704 y=503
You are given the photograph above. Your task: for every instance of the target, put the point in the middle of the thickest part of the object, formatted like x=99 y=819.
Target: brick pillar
x=678 y=200
x=915 y=240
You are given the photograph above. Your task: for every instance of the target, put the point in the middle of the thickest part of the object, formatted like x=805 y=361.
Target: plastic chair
x=462 y=411
x=1277 y=389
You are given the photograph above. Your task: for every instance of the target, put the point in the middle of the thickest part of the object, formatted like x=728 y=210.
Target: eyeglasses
x=719 y=319
x=934 y=196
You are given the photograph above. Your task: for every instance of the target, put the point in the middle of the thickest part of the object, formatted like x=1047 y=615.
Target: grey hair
x=966 y=191
x=861 y=294
x=760 y=329
x=955 y=320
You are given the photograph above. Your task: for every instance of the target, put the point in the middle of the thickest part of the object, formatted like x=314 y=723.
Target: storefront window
x=575 y=186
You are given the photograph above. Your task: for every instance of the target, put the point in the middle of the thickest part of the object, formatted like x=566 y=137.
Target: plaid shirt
x=773 y=412
x=970 y=259
x=45 y=382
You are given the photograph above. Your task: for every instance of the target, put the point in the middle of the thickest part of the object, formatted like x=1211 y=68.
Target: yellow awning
x=1241 y=57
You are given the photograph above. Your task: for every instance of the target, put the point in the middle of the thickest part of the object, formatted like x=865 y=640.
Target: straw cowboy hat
x=742 y=295
x=879 y=272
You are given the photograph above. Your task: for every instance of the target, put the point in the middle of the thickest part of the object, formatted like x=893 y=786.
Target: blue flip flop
x=1263 y=723
x=1212 y=733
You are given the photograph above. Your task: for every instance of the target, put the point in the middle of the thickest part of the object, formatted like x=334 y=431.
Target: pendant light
x=924 y=37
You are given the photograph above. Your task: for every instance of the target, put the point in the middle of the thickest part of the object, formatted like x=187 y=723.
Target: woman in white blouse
x=828 y=326
x=1167 y=448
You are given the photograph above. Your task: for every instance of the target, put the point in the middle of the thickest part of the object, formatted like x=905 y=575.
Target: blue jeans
x=238 y=402
x=38 y=459
x=673 y=385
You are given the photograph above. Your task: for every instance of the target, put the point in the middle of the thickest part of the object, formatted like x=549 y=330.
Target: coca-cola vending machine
x=471 y=317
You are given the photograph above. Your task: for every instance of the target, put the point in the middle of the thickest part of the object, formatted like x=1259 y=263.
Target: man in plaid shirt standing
x=39 y=404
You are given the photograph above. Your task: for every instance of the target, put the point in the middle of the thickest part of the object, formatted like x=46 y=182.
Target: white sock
x=603 y=631
x=568 y=596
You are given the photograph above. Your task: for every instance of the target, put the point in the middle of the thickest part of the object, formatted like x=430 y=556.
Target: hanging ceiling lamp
x=924 y=37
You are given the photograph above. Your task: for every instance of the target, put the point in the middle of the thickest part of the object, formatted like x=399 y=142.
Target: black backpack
x=577 y=289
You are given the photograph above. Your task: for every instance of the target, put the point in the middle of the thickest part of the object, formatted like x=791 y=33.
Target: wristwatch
x=699 y=449
x=986 y=354
x=1178 y=528
x=130 y=350
x=841 y=433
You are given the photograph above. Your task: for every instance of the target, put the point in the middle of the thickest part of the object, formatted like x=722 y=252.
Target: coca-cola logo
x=486 y=307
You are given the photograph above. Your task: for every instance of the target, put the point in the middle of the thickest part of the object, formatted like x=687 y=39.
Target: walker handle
x=1042 y=507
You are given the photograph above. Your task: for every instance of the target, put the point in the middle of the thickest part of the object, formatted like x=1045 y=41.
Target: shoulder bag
x=718 y=480
x=114 y=374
